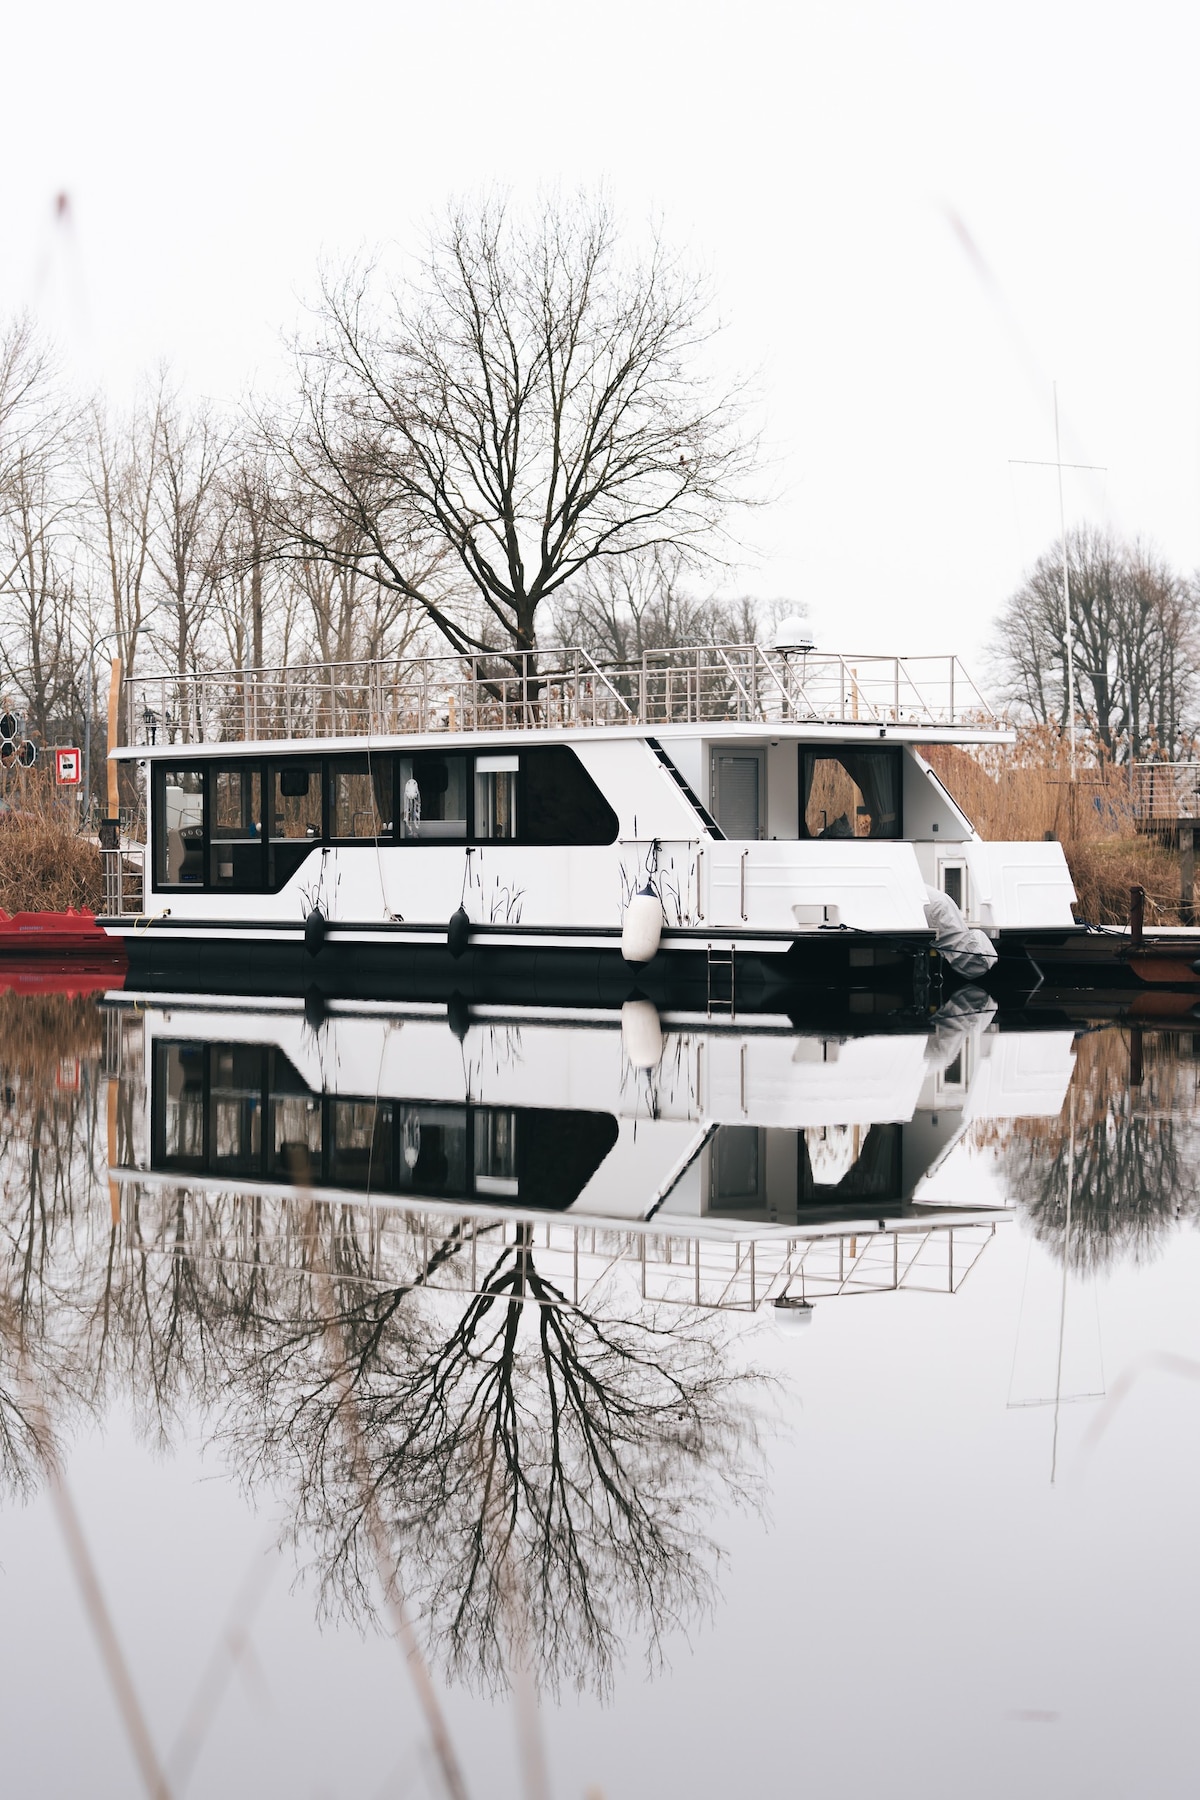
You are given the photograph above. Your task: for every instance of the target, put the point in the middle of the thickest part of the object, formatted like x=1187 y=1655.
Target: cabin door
x=739 y=792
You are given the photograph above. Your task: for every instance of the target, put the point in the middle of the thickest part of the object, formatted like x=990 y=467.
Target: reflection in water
x=517 y=1445
x=478 y=1290
x=49 y=1096
x=1133 y=1154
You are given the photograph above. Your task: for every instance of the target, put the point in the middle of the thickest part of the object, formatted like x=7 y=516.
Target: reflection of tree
x=543 y=1476
x=1135 y=1149
x=48 y=1119
x=540 y=1469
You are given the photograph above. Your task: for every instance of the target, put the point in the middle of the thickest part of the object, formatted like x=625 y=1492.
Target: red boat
x=67 y=933
x=58 y=953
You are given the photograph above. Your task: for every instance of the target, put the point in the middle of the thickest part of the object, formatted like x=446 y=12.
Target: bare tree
x=530 y=406
x=1136 y=649
x=189 y=517
x=121 y=474
x=27 y=387
x=37 y=543
x=645 y=601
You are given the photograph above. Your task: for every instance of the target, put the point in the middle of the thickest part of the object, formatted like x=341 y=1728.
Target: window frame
x=158 y=807
x=832 y=752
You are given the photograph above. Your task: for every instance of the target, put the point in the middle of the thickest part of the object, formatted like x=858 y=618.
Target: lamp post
x=87 y=727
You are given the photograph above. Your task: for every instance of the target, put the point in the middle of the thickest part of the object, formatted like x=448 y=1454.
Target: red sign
x=68 y=770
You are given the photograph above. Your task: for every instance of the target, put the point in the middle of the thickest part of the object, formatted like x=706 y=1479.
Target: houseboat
x=719 y=827
x=648 y=1132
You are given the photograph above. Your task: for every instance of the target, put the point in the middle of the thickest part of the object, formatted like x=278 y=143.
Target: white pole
x=1062 y=1315
x=1066 y=582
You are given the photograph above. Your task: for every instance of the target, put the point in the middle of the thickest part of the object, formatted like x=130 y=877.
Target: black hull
x=862 y=979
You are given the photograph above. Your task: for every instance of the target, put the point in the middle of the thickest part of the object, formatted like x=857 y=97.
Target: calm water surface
x=298 y=1315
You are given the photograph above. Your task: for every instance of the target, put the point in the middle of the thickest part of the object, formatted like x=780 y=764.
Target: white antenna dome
x=793 y=634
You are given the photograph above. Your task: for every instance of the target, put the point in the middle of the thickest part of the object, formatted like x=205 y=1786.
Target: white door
x=739 y=792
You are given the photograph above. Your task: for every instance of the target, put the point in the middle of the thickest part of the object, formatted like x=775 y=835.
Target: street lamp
x=87 y=726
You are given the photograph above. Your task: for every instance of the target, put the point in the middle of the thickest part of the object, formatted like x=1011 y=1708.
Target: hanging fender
x=641 y=928
x=457 y=933
x=314 y=930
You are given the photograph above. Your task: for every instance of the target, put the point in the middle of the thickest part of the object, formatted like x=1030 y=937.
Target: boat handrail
x=518 y=690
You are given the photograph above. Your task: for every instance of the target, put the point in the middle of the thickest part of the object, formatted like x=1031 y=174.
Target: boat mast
x=1026 y=462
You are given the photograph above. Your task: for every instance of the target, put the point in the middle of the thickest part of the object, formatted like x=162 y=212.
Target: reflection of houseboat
x=732 y=824
x=769 y=1137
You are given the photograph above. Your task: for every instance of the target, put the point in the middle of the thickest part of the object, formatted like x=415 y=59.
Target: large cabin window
x=561 y=804
x=433 y=797
x=850 y=793
x=246 y=825
x=360 y=799
x=179 y=839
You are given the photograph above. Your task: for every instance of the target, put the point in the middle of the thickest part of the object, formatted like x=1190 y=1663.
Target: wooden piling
x=1137 y=916
x=1187 y=872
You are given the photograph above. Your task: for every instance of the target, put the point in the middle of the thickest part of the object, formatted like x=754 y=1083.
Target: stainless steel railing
x=524 y=690
x=124 y=881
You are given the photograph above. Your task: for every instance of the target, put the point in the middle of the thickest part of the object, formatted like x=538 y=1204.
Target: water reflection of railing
x=453 y=1251
x=520 y=690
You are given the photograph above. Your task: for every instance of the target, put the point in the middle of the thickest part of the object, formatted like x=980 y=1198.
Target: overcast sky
x=810 y=156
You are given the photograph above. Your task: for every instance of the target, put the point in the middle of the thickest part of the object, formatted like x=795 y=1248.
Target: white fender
x=641 y=1034
x=642 y=926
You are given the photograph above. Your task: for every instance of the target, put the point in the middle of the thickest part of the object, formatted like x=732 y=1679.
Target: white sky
x=806 y=154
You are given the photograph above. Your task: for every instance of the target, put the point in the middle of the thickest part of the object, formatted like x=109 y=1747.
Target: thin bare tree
x=189 y=519
x=1136 y=644
x=530 y=404
x=121 y=455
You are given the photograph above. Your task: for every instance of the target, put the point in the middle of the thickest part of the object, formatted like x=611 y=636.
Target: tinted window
x=295 y=817
x=360 y=798
x=236 y=845
x=848 y=793
x=179 y=816
x=496 y=780
x=562 y=804
x=433 y=797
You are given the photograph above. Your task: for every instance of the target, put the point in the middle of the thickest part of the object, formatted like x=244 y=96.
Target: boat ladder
x=721 y=963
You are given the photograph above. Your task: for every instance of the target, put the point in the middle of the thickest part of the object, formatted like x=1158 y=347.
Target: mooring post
x=1137 y=914
x=1187 y=871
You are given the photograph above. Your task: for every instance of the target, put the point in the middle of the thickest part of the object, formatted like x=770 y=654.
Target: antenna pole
x=1066 y=583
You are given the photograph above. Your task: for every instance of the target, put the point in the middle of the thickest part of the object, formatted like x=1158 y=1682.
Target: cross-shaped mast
x=1060 y=465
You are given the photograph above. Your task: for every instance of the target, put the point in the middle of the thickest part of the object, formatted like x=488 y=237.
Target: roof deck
x=535 y=690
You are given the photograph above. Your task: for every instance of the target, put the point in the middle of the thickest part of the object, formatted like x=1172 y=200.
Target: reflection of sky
x=924 y=1615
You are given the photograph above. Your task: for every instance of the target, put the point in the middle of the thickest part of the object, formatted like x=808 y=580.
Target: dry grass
x=1024 y=791
x=46 y=864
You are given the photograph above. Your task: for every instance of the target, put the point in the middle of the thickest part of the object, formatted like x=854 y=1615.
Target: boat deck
x=536 y=690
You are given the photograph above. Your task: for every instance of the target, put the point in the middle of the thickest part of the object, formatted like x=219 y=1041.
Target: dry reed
x=1024 y=791
x=46 y=863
